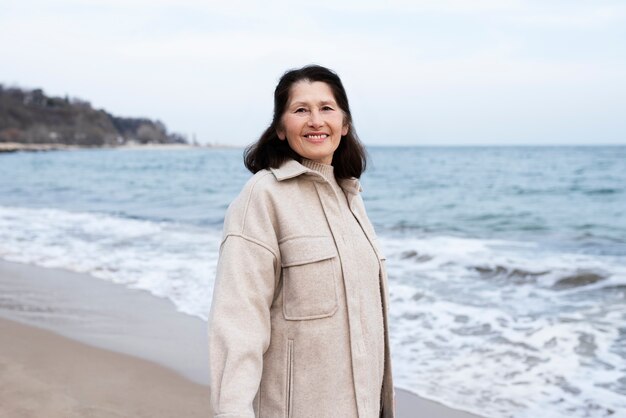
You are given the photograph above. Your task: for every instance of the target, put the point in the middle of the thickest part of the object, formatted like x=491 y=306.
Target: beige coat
x=285 y=337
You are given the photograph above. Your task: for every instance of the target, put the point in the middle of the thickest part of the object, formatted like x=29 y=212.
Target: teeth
x=317 y=136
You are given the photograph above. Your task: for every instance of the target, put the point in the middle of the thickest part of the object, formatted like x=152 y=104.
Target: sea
x=507 y=265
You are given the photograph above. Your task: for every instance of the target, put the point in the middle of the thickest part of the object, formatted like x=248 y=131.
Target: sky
x=436 y=72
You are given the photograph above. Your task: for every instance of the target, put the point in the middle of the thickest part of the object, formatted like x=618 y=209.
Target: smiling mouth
x=316 y=136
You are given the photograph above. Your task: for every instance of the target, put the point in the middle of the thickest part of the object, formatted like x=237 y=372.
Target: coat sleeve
x=239 y=324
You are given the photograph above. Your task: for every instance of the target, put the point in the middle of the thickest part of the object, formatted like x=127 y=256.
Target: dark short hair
x=350 y=157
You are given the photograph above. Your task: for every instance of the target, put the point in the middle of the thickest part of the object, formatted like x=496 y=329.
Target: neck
x=326 y=170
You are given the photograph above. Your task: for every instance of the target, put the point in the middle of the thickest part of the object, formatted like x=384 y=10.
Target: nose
x=315 y=119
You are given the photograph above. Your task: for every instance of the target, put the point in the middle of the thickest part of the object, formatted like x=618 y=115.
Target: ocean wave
x=496 y=327
x=505 y=328
x=169 y=260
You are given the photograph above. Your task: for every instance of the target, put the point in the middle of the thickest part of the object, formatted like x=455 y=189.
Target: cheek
x=286 y=128
x=291 y=125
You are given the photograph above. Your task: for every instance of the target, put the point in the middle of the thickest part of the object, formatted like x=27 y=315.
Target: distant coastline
x=30 y=120
x=10 y=147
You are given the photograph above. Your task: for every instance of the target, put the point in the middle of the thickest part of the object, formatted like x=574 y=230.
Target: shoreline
x=76 y=344
x=11 y=147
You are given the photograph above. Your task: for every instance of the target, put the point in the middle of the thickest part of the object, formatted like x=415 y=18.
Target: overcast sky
x=438 y=72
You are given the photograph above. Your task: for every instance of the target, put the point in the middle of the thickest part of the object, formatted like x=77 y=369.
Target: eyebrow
x=322 y=103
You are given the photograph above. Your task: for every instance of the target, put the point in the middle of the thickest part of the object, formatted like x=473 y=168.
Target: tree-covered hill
x=31 y=117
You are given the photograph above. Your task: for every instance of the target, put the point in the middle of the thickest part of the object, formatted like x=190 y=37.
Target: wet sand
x=46 y=375
x=75 y=346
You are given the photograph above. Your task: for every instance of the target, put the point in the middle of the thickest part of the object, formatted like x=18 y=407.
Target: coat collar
x=291 y=168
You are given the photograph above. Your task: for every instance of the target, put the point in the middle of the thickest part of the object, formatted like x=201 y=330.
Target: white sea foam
x=500 y=328
x=497 y=327
x=169 y=260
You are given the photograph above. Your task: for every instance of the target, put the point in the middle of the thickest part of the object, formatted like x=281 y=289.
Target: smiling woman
x=298 y=322
x=313 y=123
x=309 y=101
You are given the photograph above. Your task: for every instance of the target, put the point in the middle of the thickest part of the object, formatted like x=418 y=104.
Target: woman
x=298 y=324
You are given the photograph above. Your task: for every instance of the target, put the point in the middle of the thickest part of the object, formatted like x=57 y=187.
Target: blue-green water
x=507 y=264
x=572 y=196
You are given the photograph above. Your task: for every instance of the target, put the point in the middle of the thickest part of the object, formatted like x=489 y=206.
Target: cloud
x=590 y=16
x=192 y=63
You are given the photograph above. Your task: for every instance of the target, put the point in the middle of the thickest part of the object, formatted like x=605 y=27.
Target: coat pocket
x=309 y=284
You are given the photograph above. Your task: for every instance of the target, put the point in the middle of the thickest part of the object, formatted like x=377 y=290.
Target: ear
x=345 y=129
x=281 y=134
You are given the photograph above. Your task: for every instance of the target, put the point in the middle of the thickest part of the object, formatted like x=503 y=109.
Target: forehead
x=311 y=92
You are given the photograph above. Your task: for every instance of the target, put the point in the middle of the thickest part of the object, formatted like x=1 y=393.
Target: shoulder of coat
x=252 y=201
x=254 y=187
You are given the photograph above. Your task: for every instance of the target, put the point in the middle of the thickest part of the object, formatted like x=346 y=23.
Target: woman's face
x=313 y=124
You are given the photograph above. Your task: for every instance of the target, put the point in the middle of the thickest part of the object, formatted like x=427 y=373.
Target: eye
x=327 y=108
x=300 y=110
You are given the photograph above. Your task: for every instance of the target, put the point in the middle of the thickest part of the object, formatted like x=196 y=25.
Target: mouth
x=316 y=137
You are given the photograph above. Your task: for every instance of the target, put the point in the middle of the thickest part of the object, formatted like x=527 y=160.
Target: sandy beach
x=76 y=346
x=46 y=375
